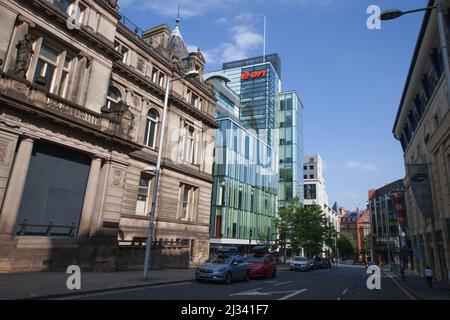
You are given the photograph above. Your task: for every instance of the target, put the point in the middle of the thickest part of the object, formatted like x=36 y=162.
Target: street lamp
x=148 y=250
x=394 y=14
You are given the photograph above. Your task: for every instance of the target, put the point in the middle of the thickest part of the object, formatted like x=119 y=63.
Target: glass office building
x=244 y=199
x=257 y=83
x=245 y=187
x=291 y=148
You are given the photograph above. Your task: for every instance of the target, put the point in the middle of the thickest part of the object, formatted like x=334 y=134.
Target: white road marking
x=245 y=292
x=345 y=291
x=339 y=298
x=292 y=294
x=281 y=283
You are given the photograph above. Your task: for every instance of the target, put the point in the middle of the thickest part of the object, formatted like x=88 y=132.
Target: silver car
x=224 y=268
x=300 y=263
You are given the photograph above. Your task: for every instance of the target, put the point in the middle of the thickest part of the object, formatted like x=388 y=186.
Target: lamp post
x=394 y=14
x=148 y=249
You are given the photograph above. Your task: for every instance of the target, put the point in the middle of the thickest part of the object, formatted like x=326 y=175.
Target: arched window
x=151 y=128
x=113 y=97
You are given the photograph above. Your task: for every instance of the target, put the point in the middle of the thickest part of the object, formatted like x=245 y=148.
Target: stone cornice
x=151 y=158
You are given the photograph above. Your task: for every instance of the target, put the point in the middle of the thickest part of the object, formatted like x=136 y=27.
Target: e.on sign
x=253 y=75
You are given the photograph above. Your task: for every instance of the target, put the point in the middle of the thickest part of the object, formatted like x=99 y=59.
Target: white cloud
x=361 y=166
x=222 y=20
x=244 y=40
x=352 y=195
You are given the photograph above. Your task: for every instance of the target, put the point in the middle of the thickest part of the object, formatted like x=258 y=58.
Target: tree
x=304 y=228
x=347 y=245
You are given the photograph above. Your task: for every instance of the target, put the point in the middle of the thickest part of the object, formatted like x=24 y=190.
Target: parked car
x=322 y=263
x=224 y=268
x=262 y=265
x=276 y=256
x=327 y=263
x=300 y=263
x=312 y=265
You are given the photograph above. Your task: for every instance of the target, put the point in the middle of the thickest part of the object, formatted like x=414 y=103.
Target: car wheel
x=228 y=278
x=247 y=277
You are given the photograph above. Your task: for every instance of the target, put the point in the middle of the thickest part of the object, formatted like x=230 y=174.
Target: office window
x=310 y=191
x=189 y=143
x=161 y=79
x=113 y=97
x=76 y=10
x=311 y=167
x=187 y=202
x=151 y=128
x=305 y=168
x=194 y=99
x=121 y=48
x=305 y=177
x=50 y=62
x=143 y=204
x=311 y=176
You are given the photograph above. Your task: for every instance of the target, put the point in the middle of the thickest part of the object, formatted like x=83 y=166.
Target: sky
x=350 y=78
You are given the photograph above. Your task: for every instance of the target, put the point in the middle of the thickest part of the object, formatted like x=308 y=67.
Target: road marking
x=345 y=291
x=409 y=295
x=292 y=294
x=81 y=295
x=339 y=298
x=281 y=283
x=245 y=292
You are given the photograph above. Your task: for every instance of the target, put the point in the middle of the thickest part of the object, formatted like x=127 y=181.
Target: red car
x=262 y=266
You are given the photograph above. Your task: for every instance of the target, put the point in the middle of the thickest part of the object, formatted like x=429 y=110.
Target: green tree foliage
x=306 y=228
x=347 y=245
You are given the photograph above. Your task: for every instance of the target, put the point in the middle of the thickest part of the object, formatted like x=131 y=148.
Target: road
x=342 y=283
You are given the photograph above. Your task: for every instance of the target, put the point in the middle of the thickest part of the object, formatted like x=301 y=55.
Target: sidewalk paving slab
x=46 y=285
x=38 y=285
x=419 y=287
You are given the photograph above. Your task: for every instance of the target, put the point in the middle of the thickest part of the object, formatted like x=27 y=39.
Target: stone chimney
x=157 y=36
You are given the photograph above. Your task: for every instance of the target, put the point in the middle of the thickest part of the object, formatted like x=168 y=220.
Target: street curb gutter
x=104 y=290
x=410 y=293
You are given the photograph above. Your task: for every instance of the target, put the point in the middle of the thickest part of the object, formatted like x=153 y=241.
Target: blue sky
x=350 y=78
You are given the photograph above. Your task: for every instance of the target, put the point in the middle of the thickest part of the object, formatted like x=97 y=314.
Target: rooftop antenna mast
x=178 y=15
x=264 y=45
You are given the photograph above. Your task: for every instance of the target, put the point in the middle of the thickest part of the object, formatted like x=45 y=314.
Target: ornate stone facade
x=80 y=118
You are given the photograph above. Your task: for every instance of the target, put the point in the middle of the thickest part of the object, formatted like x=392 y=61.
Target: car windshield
x=255 y=259
x=221 y=260
x=300 y=259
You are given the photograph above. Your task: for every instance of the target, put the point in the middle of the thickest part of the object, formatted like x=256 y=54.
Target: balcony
x=18 y=93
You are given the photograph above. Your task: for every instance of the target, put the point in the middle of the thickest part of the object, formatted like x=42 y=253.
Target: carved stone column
x=89 y=198
x=16 y=184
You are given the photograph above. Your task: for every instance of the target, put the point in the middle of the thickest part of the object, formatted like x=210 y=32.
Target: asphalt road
x=343 y=283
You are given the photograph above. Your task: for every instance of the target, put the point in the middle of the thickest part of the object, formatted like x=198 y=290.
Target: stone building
x=81 y=99
x=422 y=126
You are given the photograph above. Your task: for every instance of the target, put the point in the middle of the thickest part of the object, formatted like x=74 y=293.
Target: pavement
x=346 y=282
x=342 y=283
x=418 y=287
x=49 y=285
